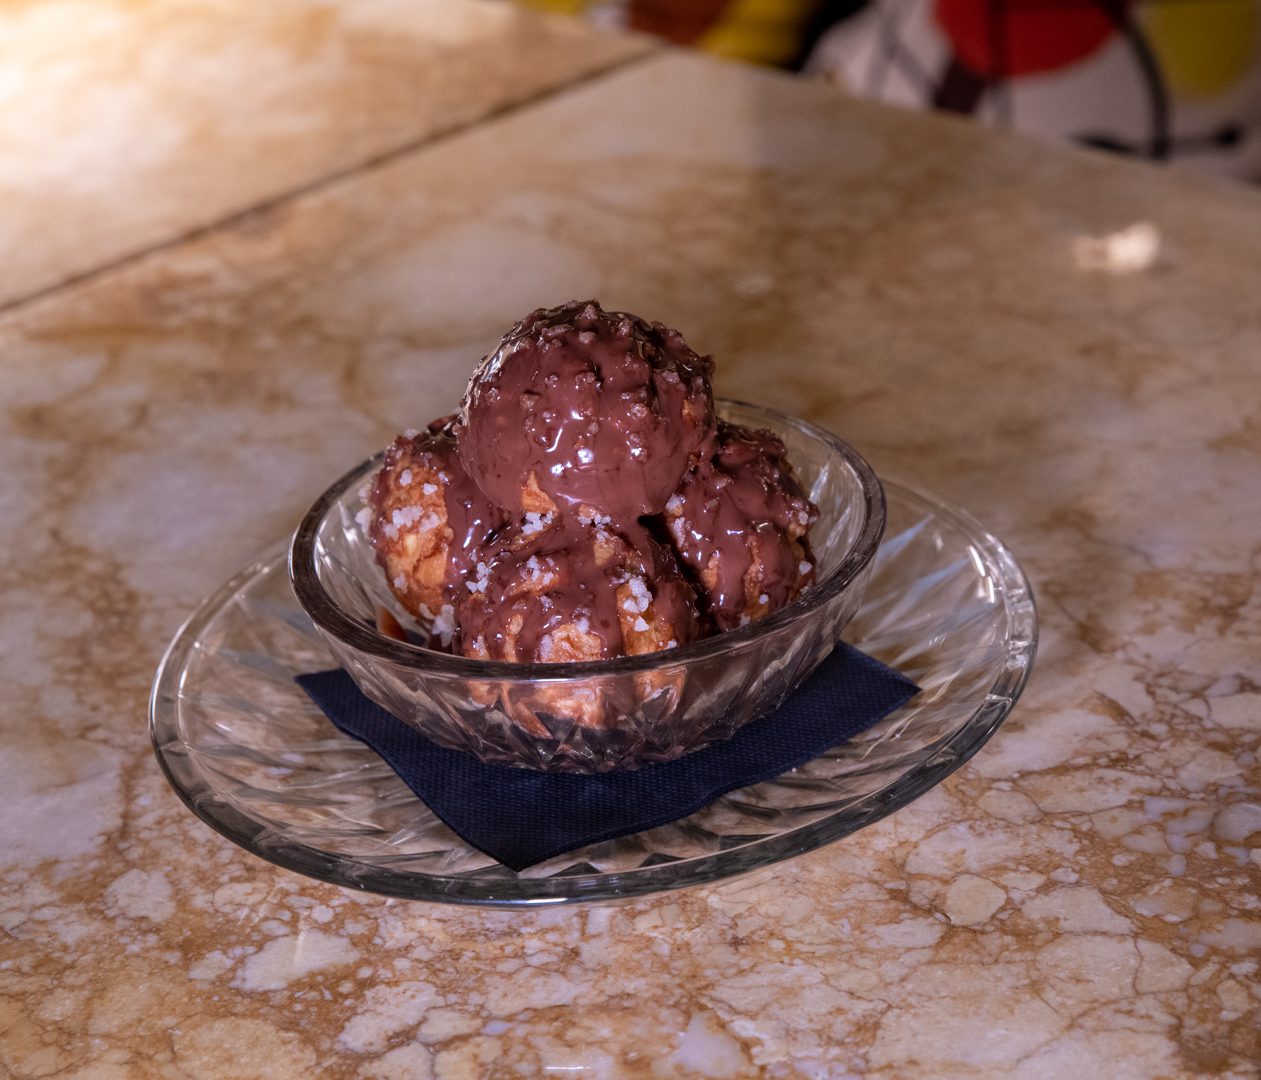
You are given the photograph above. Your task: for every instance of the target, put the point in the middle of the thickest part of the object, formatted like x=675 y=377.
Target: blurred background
x=130 y=123
x=1161 y=79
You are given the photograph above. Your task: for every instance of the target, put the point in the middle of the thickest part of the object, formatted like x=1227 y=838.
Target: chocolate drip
x=738 y=521
x=471 y=518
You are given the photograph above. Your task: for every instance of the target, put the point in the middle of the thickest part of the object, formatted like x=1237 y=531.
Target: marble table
x=244 y=244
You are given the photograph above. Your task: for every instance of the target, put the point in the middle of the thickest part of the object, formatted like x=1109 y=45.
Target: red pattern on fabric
x=1009 y=38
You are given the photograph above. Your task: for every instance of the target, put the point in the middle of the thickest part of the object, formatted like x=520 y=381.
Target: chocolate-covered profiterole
x=426 y=520
x=586 y=505
x=581 y=406
x=738 y=521
x=574 y=588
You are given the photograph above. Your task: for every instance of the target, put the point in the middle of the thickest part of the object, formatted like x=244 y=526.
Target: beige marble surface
x=128 y=123
x=1068 y=345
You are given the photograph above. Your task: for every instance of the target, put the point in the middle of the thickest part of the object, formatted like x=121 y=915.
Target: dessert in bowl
x=598 y=564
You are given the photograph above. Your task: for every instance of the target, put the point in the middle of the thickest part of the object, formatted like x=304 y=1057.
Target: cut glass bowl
x=606 y=714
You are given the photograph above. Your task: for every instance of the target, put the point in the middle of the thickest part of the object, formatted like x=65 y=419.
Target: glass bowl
x=647 y=708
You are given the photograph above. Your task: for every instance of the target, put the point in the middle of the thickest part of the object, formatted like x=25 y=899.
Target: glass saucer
x=252 y=757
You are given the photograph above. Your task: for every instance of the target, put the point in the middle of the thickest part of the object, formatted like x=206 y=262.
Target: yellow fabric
x=1204 y=46
x=565 y=7
x=763 y=31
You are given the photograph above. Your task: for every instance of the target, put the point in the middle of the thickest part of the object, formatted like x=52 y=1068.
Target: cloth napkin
x=521 y=817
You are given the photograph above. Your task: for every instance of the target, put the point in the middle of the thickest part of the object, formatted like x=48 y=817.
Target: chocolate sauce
x=471 y=517
x=738 y=521
x=596 y=408
x=564 y=591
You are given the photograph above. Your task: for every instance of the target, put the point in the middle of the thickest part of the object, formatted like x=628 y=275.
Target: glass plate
x=254 y=759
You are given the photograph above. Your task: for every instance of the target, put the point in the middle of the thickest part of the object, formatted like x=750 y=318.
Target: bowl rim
x=332 y=620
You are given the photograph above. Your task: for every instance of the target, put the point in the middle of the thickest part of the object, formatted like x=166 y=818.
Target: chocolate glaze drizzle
x=738 y=522
x=587 y=407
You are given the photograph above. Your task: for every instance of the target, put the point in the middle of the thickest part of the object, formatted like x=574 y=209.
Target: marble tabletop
x=214 y=300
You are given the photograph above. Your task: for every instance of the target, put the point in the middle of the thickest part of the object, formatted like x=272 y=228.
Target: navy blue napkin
x=521 y=817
